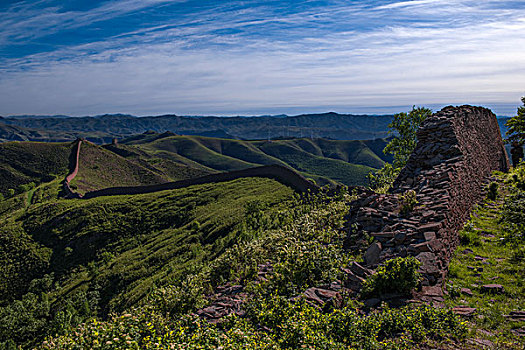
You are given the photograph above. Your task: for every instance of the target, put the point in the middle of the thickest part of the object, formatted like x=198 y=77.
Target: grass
x=25 y=162
x=100 y=168
x=485 y=256
x=304 y=252
x=107 y=254
x=325 y=161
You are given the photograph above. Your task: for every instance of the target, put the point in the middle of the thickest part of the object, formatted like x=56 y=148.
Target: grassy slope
x=304 y=252
x=487 y=256
x=25 y=162
x=170 y=164
x=100 y=168
x=121 y=247
x=325 y=161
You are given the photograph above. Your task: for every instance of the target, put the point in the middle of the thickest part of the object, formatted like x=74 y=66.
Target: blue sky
x=147 y=57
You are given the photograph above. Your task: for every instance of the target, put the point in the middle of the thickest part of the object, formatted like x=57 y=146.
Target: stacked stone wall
x=279 y=173
x=458 y=148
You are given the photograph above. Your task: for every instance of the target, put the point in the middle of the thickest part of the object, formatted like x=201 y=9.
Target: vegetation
x=130 y=272
x=304 y=252
x=280 y=324
x=325 y=161
x=404 y=126
x=516 y=126
x=492 y=251
x=103 y=255
x=408 y=201
x=100 y=168
x=23 y=163
x=399 y=275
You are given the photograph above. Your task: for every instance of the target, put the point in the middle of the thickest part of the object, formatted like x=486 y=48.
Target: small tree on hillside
x=516 y=125
x=404 y=126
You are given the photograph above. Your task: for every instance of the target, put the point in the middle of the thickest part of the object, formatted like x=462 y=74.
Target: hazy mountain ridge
x=327 y=125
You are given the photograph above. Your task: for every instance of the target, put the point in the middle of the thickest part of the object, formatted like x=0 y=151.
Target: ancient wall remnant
x=457 y=150
x=279 y=173
x=73 y=171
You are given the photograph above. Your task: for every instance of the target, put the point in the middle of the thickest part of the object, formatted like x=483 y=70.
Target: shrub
x=408 y=201
x=399 y=275
x=513 y=218
x=469 y=238
x=492 y=192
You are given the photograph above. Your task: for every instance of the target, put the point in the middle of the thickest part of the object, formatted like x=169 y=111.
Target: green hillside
x=325 y=161
x=100 y=168
x=24 y=162
x=66 y=260
x=137 y=269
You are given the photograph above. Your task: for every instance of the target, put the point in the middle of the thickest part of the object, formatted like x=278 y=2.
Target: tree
x=404 y=126
x=516 y=125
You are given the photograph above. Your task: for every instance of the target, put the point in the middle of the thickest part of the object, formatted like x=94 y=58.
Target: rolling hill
x=82 y=258
x=25 y=162
x=153 y=158
x=325 y=161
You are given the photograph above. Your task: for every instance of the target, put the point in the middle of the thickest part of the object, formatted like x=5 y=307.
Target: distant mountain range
x=101 y=129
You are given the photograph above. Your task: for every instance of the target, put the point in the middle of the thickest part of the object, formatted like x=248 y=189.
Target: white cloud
x=470 y=60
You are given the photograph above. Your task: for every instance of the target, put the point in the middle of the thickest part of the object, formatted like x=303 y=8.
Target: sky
x=253 y=57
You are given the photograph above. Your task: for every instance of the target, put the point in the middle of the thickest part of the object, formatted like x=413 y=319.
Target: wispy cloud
x=257 y=56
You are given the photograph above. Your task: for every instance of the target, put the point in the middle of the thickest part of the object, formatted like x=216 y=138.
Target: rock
x=419 y=248
x=359 y=270
x=429 y=264
x=466 y=291
x=399 y=238
x=353 y=281
x=433 y=291
x=493 y=288
x=311 y=295
x=516 y=316
x=323 y=297
x=520 y=332
x=464 y=311
x=434 y=226
x=429 y=235
x=371 y=256
x=383 y=235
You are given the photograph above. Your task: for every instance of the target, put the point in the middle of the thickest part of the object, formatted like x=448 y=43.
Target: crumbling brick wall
x=457 y=150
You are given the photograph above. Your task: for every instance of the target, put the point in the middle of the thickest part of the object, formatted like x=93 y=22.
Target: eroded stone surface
x=457 y=150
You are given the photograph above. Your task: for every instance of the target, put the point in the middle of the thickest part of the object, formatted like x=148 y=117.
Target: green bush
x=399 y=275
x=513 y=218
x=469 y=238
x=407 y=201
x=492 y=192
